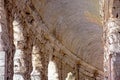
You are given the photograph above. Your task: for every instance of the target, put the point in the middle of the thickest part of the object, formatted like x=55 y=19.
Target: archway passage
x=52 y=71
x=70 y=30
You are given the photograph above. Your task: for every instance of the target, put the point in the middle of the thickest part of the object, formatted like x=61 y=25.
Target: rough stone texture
x=65 y=35
x=69 y=31
x=37 y=73
x=20 y=43
x=112 y=49
x=70 y=76
x=23 y=55
x=6 y=42
x=9 y=40
x=111 y=40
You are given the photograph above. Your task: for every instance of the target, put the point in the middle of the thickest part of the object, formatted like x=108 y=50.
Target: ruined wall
x=49 y=43
x=111 y=39
x=6 y=40
x=65 y=32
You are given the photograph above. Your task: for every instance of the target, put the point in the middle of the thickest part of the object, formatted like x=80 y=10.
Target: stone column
x=112 y=40
x=23 y=55
x=19 y=58
x=112 y=49
x=28 y=53
x=36 y=63
x=6 y=45
x=9 y=6
x=3 y=24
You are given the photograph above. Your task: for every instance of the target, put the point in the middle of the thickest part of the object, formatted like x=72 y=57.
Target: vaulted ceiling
x=77 y=25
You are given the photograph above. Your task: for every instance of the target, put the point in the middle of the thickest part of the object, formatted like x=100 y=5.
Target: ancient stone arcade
x=59 y=39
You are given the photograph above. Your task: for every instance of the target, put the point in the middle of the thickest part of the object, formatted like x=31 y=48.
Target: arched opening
x=68 y=29
x=70 y=76
x=52 y=71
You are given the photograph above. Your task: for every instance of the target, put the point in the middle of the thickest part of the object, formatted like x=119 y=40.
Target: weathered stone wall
x=33 y=16
x=6 y=40
x=3 y=31
x=111 y=39
x=66 y=32
x=50 y=43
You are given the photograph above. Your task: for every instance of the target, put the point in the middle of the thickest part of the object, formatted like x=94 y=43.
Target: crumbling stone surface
x=61 y=40
x=111 y=40
x=6 y=41
x=64 y=31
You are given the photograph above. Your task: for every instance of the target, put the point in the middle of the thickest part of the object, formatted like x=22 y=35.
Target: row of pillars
x=28 y=63
x=20 y=57
x=111 y=48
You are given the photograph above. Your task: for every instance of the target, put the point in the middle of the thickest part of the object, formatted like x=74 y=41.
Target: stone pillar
x=36 y=63
x=3 y=24
x=28 y=53
x=76 y=72
x=19 y=58
x=23 y=55
x=9 y=6
x=112 y=39
x=112 y=50
x=6 y=45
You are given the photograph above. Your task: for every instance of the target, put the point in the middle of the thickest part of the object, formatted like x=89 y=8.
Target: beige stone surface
x=68 y=32
x=76 y=26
